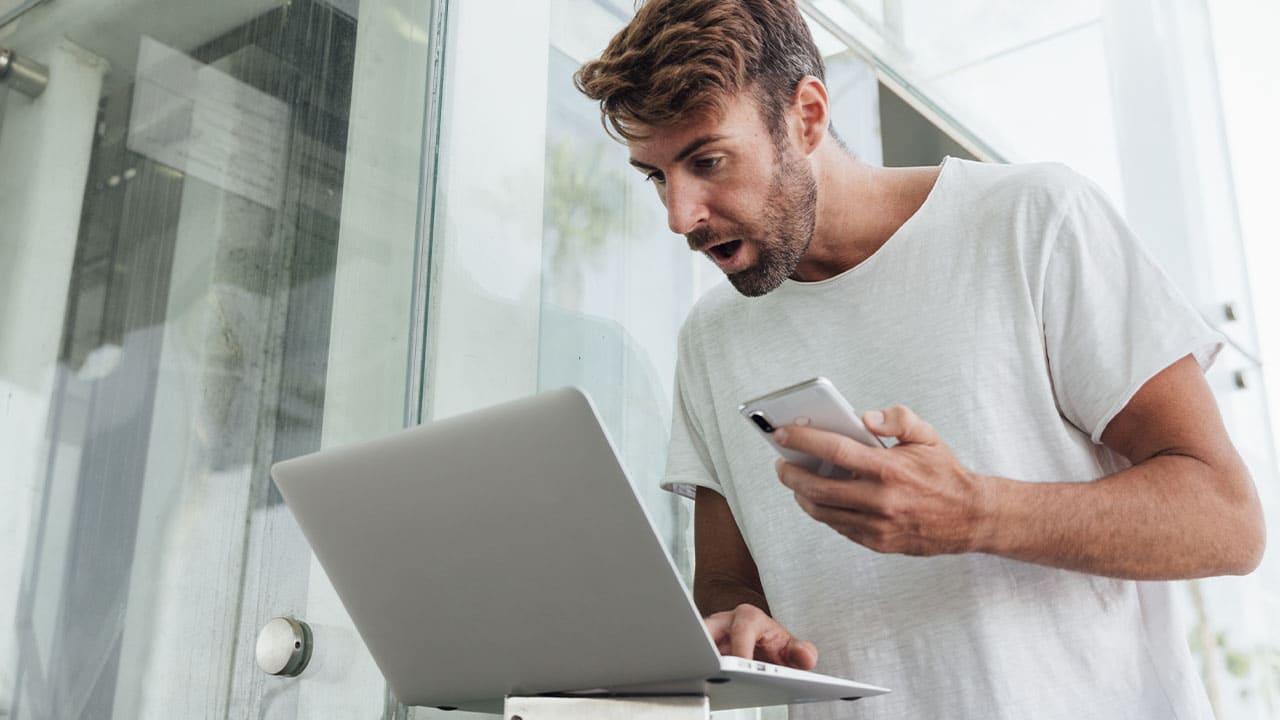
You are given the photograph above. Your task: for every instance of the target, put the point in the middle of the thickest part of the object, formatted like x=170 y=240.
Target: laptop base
x=680 y=707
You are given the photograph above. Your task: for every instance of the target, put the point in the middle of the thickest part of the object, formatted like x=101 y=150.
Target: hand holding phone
x=815 y=403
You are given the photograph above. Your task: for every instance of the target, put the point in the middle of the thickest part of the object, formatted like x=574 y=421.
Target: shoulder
x=1019 y=210
x=1048 y=187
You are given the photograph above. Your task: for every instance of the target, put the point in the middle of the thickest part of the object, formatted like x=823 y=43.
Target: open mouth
x=726 y=250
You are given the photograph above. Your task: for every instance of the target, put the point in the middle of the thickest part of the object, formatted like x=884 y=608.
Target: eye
x=707 y=164
x=655 y=177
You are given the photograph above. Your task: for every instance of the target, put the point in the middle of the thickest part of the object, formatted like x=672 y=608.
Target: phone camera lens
x=761 y=421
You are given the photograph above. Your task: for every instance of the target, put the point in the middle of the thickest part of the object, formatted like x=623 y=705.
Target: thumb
x=801 y=654
x=899 y=422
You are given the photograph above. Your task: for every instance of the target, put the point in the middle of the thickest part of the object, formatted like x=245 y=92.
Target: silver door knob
x=284 y=647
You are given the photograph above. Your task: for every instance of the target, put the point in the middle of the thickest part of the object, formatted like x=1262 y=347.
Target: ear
x=809 y=113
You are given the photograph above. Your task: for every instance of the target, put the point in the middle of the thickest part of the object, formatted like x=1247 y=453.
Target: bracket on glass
x=284 y=647
x=26 y=76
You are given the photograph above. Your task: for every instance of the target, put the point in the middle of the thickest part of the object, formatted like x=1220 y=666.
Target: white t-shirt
x=1017 y=314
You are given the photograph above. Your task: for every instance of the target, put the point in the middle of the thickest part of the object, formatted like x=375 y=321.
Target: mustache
x=703 y=238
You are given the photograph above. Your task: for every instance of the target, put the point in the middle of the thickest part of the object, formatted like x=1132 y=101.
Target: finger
x=851 y=494
x=801 y=654
x=771 y=646
x=843 y=451
x=850 y=523
x=777 y=646
x=745 y=633
x=901 y=423
x=718 y=625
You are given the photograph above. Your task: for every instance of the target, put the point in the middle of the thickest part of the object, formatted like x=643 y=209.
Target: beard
x=782 y=233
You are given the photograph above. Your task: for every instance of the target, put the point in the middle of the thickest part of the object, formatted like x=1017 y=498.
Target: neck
x=859 y=208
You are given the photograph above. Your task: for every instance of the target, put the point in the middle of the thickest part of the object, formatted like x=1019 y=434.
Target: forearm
x=1169 y=517
x=713 y=594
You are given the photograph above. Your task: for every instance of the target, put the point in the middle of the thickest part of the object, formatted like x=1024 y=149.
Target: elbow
x=1249 y=540
x=1251 y=546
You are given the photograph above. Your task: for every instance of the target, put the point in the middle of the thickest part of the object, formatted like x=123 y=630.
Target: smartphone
x=815 y=403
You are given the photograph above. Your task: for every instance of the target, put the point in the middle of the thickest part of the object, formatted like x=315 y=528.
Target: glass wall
x=552 y=261
x=554 y=264
x=207 y=259
x=222 y=244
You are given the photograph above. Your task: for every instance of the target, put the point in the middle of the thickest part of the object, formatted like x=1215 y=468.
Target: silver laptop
x=505 y=552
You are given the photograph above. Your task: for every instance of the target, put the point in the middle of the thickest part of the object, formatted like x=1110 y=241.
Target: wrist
x=991 y=525
x=716 y=595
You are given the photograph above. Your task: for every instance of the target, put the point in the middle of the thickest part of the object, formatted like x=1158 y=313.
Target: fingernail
x=875 y=417
x=780 y=435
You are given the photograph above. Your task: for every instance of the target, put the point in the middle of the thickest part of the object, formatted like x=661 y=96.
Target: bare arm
x=727 y=590
x=725 y=575
x=1187 y=508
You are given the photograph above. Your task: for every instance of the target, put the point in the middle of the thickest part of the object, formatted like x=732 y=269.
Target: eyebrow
x=688 y=150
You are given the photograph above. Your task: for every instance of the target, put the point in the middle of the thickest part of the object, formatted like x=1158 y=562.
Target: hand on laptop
x=747 y=631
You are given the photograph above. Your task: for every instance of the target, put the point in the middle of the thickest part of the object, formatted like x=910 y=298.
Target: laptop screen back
x=499 y=552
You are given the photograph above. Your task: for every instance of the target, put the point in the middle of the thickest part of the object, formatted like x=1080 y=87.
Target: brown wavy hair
x=683 y=59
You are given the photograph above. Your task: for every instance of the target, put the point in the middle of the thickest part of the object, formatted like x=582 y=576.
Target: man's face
x=745 y=201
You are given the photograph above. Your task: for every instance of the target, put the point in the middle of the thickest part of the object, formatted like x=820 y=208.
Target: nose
x=686 y=208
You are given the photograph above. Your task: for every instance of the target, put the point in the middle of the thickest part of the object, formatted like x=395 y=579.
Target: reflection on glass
x=178 y=347
x=615 y=286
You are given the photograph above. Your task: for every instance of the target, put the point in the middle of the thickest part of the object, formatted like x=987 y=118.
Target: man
x=1057 y=444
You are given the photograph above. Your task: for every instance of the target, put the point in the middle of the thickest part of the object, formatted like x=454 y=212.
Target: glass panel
x=615 y=284
x=206 y=265
x=596 y=289
x=556 y=266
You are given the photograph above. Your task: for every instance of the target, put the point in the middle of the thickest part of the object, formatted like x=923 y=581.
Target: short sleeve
x=1112 y=318
x=688 y=461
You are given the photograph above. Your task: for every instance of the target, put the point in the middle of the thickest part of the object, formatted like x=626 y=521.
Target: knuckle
x=890 y=504
x=857 y=535
x=843 y=454
x=889 y=475
x=878 y=534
